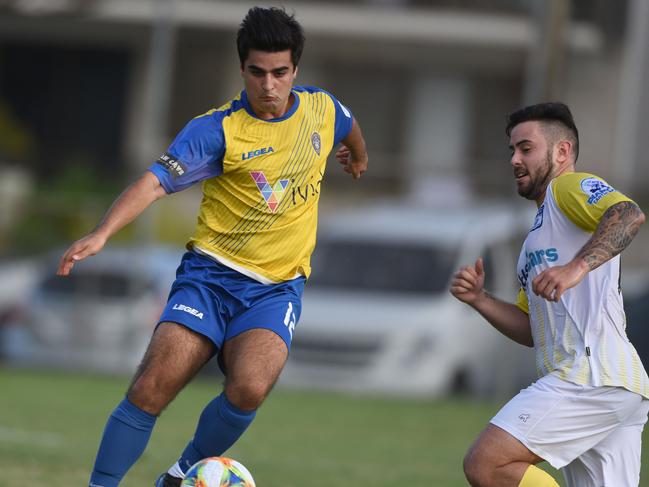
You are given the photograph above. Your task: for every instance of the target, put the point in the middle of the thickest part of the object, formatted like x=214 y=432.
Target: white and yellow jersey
x=261 y=181
x=582 y=337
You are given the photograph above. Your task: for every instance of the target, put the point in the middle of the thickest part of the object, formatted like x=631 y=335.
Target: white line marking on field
x=37 y=438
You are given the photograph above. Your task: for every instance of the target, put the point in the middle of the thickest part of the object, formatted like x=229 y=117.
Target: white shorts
x=592 y=433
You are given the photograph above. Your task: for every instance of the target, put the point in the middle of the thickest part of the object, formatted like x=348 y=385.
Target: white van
x=378 y=315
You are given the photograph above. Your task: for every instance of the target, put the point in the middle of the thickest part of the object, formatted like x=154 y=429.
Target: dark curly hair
x=270 y=30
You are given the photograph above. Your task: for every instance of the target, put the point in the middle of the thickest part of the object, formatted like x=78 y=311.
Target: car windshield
x=94 y=284
x=382 y=266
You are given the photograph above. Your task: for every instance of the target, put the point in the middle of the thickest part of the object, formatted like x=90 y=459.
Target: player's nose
x=267 y=83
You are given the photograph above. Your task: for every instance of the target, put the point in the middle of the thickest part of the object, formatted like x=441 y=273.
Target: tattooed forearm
x=616 y=229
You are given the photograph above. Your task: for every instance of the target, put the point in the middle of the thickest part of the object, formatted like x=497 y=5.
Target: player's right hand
x=468 y=283
x=79 y=250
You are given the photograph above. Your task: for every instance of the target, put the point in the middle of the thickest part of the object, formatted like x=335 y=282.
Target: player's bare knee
x=148 y=397
x=470 y=471
x=247 y=395
x=146 y=403
x=473 y=476
x=474 y=468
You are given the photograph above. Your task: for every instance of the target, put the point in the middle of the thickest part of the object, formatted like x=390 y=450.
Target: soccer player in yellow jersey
x=261 y=158
x=586 y=412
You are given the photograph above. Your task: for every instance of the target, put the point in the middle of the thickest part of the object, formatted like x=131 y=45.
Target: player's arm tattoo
x=616 y=229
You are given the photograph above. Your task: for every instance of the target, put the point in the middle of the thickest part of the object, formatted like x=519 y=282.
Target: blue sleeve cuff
x=344 y=121
x=162 y=176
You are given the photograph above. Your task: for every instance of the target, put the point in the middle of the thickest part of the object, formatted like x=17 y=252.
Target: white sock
x=175 y=471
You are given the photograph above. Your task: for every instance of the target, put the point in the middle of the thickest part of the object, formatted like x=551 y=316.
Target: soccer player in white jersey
x=585 y=413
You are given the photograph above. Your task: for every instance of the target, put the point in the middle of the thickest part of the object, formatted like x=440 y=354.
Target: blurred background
x=92 y=91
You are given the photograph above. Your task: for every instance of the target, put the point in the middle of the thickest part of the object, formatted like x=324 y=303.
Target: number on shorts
x=289 y=319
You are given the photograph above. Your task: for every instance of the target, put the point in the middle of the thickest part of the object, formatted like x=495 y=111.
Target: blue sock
x=125 y=437
x=219 y=427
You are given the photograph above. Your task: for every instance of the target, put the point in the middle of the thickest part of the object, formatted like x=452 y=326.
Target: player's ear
x=564 y=151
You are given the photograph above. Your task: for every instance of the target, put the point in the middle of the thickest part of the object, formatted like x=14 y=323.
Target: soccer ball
x=218 y=472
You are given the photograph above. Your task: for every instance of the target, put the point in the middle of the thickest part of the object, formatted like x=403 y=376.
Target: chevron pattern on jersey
x=273 y=194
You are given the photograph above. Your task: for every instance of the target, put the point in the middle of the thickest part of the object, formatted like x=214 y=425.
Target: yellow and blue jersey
x=582 y=337
x=261 y=180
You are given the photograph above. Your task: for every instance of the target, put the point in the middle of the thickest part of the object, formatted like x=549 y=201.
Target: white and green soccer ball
x=218 y=472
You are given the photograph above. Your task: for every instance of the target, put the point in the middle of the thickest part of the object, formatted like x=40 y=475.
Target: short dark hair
x=271 y=30
x=556 y=114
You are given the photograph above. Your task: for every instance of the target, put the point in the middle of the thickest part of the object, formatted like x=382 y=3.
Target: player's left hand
x=553 y=282
x=352 y=166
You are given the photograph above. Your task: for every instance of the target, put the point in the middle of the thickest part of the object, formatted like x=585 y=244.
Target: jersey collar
x=291 y=111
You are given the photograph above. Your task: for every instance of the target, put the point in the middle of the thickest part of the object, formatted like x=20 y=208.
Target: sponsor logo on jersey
x=538 y=221
x=524 y=417
x=535 y=258
x=187 y=309
x=310 y=189
x=316 y=142
x=272 y=193
x=172 y=165
x=256 y=153
x=595 y=189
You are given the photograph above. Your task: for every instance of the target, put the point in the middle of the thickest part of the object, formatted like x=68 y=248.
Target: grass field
x=50 y=425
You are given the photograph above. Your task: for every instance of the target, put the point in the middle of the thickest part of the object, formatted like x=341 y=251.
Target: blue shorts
x=221 y=303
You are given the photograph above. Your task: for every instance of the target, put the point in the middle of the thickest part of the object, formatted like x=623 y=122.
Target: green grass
x=50 y=425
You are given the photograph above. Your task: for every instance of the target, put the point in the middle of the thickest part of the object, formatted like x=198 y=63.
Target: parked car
x=378 y=315
x=101 y=316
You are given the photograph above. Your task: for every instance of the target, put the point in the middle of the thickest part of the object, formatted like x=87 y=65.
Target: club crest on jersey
x=256 y=153
x=316 y=142
x=274 y=193
x=595 y=189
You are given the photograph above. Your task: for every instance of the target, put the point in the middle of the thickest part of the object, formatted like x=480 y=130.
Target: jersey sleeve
x=584 y=198
x=344 y=121
x=521 y=301
x=195 y=154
